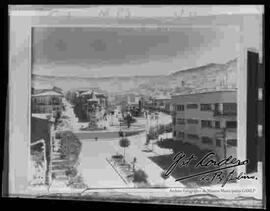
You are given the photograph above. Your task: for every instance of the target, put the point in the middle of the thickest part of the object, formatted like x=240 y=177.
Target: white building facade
x=207 y=120
x=47 y=102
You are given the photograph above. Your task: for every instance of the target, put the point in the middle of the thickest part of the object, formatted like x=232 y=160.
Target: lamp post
x=157 y=117
x=146 y=127
x=50 y=130
x=224 y=142
x=224 y=146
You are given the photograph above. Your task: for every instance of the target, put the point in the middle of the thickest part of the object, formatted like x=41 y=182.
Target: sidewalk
x=143 y=162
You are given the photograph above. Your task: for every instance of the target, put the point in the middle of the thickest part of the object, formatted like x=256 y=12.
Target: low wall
x=104 y=134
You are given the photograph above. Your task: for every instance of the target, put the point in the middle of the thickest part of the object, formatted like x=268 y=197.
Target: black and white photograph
x=153 y=104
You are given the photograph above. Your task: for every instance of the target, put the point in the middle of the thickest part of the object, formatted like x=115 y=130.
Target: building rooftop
x=48 y=93
x=88 y=92
x=42 y=115
x=92 y=100
x=163 y=97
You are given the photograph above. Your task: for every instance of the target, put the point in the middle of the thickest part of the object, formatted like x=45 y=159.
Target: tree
x=124 y=142
x=70 y=147
x=153 y=133
x=140 y=176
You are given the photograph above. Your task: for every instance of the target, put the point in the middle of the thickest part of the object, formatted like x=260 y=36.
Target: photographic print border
x=20 y=62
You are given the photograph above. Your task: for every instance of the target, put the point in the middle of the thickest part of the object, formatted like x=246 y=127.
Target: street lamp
x=224 y=142
x=222 y=136
x=50 y=130
x=157 y=116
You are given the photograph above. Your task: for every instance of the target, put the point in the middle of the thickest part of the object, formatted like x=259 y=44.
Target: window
x=217 y=106
x=206 y=107
x=174 y=120
x=180 y=107
x=180 y=121
x=232 y=142
x=206 y=124
x=229 y=108
x=181 y=135
x=207 y=140
x=217 y=124
x=218 y=142
x=192 y=106
x=231 y=124
x=193 y=136
x=174 y=133
x=192 y=121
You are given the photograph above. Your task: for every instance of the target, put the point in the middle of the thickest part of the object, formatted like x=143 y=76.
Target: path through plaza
x=95 y=170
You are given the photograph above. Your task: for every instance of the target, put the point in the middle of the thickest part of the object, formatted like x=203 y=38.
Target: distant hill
x=207 y=76
x=196 y=69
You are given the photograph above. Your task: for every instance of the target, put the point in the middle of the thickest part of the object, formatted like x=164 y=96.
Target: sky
x=102 y=52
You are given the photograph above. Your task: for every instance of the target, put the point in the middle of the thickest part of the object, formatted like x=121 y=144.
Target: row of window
x=205 y=139
x=180 y=107
x=46 y=109
x=47 y=100
x=208 y=107
x=205 y=123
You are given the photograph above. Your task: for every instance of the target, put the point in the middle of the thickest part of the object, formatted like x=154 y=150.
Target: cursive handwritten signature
x=223 y=178
x=209 y=160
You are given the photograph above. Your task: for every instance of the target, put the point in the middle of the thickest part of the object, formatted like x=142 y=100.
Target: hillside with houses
x=208 y=76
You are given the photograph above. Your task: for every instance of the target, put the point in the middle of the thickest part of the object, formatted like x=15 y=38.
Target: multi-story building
x=148 y=103
x=158 y=103
x=133 y=99
x=90 y=105
x=163 y=103
x=48 y=101
x=207 y=120
x=100 y=98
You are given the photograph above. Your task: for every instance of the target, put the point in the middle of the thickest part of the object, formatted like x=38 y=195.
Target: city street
x=95 y=169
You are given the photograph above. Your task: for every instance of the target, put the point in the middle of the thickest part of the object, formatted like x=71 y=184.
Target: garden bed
x=128 y=172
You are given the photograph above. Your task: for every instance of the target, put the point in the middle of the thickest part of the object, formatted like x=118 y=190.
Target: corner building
x=207 y=119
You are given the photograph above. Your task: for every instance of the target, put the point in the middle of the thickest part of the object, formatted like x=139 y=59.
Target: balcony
x=47 y=103
x=227 y=134
x=224 y=113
